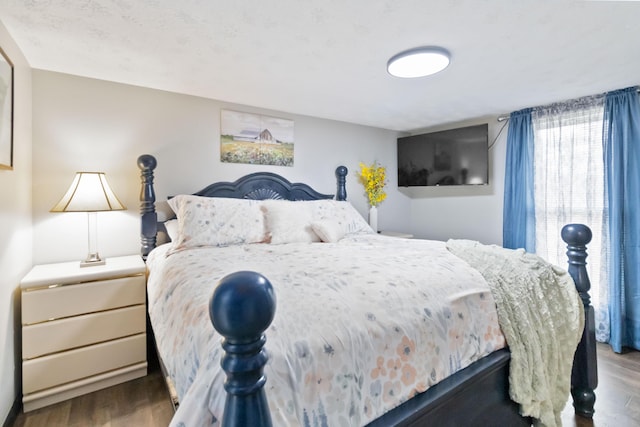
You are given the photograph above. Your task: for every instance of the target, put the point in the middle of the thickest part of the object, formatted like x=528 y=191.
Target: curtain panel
x=519 y=228
x=621 y=140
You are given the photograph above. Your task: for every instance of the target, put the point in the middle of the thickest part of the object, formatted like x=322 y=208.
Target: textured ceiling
x=327 y=58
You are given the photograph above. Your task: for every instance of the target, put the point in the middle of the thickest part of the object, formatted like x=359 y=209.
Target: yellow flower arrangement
x=373 y=177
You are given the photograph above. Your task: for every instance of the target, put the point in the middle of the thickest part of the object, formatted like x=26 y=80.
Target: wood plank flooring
x=145 y=402
x=618 y=392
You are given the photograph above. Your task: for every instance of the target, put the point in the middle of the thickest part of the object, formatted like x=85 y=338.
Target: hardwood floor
x=145 y=402
x=618 y=392
x=141 y=403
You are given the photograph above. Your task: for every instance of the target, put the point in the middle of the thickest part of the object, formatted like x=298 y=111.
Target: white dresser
x=83 y=328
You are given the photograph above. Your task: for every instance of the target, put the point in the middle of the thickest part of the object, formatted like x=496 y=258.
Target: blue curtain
x=621 y=139
x=519 y=227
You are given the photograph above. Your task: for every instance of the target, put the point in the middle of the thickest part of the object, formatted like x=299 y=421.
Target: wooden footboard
x=245 y=358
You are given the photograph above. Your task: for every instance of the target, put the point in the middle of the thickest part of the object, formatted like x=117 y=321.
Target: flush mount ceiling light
x=418 y=62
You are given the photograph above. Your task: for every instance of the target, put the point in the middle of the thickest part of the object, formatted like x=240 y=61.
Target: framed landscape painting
x=6 y=112
x=255 y=139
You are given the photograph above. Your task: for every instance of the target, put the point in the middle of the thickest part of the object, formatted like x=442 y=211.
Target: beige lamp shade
x=89 y=192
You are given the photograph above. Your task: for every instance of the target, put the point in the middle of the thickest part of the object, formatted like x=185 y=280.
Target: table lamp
x=89 y=192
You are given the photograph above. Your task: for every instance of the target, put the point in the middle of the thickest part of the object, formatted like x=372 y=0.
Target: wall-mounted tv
x=450 y=157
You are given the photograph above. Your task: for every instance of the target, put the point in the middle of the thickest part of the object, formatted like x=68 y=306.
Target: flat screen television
x=450 y=157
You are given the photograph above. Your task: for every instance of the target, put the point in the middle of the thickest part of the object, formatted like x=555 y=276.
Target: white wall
x=463 y=212
x=93 y=125
x=15 y=227
x=87 y=124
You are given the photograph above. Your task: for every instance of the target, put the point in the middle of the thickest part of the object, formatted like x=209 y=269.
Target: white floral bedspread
x=361 y=325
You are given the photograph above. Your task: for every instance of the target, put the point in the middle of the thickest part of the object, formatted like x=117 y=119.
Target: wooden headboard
x=256 y=186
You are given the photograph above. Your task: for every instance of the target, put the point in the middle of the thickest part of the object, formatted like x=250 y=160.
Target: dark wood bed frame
x=475 y=396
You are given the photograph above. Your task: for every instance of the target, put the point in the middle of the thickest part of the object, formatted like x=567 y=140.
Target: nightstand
x=83 y=328
x=396 y=234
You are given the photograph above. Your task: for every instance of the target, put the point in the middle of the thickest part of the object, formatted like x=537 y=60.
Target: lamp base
x=92 y=260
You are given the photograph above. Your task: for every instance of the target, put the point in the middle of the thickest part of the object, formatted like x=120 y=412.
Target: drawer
x=70 y=300
x=73 y=332
x=72 y=365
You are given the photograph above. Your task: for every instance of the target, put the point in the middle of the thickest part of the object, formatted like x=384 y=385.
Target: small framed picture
x=255 y=139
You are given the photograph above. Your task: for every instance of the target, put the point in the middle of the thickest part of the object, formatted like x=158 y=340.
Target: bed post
x=241 y=309
x=341 y=177
x=149 y=218
x=584 y=376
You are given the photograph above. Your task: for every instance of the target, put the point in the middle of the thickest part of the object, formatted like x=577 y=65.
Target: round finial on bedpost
x=341 y=176
x=147 y=162
x=577 y=236
x=241 y=309
x=149 y=218
x=584 y=377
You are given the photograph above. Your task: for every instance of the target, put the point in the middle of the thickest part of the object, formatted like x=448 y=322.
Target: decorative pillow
x=214 y=221
x=329 y=231
x=343 y=213
x=172 y=229
x=289 y=222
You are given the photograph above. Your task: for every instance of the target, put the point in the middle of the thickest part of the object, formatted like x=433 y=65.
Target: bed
x=346 y=345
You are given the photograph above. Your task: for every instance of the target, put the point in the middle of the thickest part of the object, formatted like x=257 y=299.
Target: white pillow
x=289 y=222
x=214 y=221
x=312 y=221
x=329 y=231
x=172 y=229
x=342 y=213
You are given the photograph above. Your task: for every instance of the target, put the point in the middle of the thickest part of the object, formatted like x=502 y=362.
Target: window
x=569 y=184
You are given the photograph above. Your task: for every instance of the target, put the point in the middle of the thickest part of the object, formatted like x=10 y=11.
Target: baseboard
x=12 y=416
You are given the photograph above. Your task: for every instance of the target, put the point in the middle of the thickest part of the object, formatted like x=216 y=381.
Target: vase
x=373 y=218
